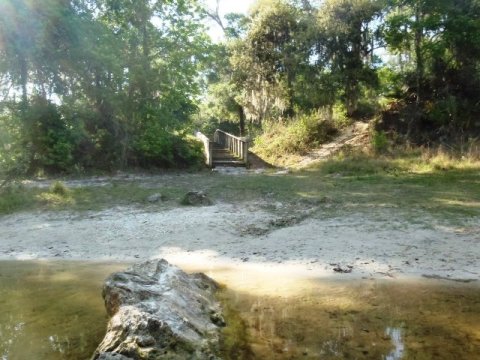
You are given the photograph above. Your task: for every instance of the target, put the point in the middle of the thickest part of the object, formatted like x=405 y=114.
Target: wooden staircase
x=224 y=157
x=225 y=150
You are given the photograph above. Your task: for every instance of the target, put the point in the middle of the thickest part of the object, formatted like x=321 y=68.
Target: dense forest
x=112 y=84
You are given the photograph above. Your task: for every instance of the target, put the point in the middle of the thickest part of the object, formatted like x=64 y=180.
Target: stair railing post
x=245 y=149
x=210 y=154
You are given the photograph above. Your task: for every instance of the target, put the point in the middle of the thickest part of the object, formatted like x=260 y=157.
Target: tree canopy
x=116 y=83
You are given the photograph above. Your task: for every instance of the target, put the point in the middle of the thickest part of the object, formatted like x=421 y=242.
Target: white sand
x=221 y=237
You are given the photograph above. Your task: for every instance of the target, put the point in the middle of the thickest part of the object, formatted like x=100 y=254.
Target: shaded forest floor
x=346 y=218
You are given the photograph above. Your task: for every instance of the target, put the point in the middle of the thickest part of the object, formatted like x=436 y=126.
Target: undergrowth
x=298 y=135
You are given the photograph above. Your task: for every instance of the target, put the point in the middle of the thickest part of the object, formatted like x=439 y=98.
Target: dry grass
x=402 y=160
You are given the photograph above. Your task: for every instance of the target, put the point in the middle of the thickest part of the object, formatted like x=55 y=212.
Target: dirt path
x=354 y=136
x=376 y=245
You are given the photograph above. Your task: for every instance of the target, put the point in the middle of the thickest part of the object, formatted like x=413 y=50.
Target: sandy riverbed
x=242 y=237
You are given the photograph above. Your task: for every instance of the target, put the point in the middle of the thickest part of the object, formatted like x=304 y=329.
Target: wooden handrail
x=208 y=148
x=230 y=135
x=237 y=145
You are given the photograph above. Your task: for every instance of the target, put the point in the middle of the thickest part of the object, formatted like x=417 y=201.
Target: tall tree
x=344 y=44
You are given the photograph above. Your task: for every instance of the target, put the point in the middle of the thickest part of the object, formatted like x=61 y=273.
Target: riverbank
x=311 y=241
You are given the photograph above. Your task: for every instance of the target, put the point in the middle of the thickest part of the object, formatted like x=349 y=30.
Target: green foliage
x=158 y=147
x=13 y=160
x=437 y=48
x=296 y=136
x=111 y=84
x=59 y=188
x=111 y=70
x=13 y=198
x=50 y=139
x=379 y=142
x=57 y=195
x=290 y=59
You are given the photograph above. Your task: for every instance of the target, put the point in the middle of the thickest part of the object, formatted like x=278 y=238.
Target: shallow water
x=368 y=319
x=54 y=310
x=51 y=310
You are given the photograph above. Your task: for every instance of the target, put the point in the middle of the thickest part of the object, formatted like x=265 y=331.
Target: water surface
x=54 y=310
x=51 y=310
x=367 y=319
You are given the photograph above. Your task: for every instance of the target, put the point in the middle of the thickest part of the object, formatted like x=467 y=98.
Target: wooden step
x=230 y=163
x=225 y=157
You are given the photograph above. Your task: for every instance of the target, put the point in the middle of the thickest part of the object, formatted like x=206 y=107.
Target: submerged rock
x=160 y=312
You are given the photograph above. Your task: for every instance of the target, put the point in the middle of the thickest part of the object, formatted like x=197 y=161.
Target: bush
x=156 y=146
x=59 y=188
x=57 y=195
x=52 y=140
x=297 y=136
x=379 y=142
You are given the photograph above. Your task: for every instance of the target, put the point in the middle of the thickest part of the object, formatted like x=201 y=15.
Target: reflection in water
x=357 y=320
x=54 y=311
x=396 y=335
x=9 y=332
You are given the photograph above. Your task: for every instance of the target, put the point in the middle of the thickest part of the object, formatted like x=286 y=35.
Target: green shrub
x=156 y=146
x=379 y=142
x=51 y=138
x=13 y=198
x=297 y=136
x=59 y=188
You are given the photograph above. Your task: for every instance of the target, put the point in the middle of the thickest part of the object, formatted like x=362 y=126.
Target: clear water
x=51 y=310
x=54 y=310
x=359 y=320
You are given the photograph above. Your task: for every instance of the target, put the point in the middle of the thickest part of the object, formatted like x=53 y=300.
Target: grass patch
x=404 y=161
x=410 y=183
x=15 y=198
x=57 y=196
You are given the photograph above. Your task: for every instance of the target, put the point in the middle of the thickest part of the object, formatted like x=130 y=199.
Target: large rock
x=160 y=312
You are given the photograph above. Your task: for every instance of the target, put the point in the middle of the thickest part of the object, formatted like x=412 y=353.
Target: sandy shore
x=244 y=237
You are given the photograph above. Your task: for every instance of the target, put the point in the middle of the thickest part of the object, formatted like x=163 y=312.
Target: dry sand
x=242 y=238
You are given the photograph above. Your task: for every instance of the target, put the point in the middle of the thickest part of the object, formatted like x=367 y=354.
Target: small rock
x=196 y=198
x=155 y=198
x=343 y=270
x=112 y=356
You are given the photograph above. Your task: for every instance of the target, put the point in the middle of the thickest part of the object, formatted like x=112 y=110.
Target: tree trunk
x=418 y=51
x=351 y=95
x=241 y=117
x=419 y=71
x=24 y=82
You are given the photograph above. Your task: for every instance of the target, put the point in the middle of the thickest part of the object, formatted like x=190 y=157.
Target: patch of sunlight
x=24 y=257
x=55 y=199
x=309 y=195
x=464 y=203
x=63 y=277
x=258 y=278
x=458 y=230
